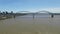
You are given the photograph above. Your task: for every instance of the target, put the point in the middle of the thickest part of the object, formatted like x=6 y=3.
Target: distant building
x=11 y=12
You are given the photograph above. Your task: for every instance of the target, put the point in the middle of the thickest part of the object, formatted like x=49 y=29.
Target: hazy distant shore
x=2 y=17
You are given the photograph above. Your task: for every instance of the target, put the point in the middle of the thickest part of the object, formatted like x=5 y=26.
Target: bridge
x=39 y=12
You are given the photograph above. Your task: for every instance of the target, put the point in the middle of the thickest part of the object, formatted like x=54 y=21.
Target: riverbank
x=3 y=17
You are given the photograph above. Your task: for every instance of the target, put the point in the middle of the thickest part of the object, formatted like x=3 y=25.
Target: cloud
x=54 y=10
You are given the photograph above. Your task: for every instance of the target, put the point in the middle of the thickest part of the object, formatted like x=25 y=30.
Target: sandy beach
x=28 y=25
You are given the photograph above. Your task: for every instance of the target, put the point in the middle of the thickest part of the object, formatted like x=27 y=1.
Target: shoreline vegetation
x=6 y=15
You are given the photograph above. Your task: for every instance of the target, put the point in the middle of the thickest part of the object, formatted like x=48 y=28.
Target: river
x=41 y=24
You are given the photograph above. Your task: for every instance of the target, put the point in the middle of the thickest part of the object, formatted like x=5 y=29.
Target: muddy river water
x=27 y=25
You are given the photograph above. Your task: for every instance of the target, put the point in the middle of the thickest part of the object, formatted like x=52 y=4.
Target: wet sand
x=28 y=25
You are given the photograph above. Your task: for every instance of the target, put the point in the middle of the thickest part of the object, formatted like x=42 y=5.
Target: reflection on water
x=27 y=25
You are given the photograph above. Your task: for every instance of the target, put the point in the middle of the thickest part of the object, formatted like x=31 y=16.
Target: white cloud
x=54 y=10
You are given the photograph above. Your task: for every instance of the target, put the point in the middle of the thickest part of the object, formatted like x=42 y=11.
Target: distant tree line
x=56 y=13
x=6 y=12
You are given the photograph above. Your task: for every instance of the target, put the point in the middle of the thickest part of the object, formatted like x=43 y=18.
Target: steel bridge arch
x=44 y=11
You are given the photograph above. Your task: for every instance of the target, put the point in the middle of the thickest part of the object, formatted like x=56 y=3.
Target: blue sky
x=30 y=5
